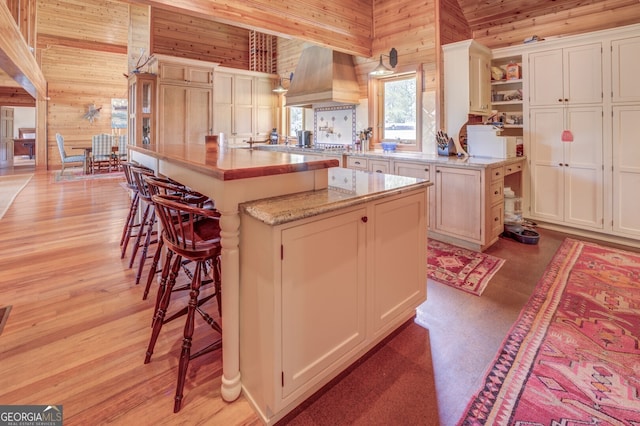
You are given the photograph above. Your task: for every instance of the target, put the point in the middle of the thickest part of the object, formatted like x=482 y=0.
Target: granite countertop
x=239 y=163
x=346 y=188
x=419 y=157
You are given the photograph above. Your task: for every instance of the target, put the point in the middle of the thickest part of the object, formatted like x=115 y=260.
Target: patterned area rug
x=458 y=267
x=10 y=187
x=76 y=174
x=573 y=356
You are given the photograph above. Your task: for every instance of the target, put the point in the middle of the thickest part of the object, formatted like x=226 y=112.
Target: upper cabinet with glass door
x=142 y=99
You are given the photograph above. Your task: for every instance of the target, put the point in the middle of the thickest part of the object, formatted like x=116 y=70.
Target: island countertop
x=231 y=164
x=347 y=187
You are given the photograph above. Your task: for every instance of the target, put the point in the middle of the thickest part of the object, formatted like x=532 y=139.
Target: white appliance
x=485 y=141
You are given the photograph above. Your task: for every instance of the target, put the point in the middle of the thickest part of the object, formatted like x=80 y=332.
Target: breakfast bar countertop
x=239 y=163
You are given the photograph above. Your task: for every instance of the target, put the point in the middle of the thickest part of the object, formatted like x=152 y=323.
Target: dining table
x=87 y=156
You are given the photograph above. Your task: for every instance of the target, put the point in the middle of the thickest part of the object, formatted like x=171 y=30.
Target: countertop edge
x=294 y=211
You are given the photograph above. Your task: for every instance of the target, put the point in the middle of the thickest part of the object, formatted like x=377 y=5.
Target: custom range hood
x=323 y=77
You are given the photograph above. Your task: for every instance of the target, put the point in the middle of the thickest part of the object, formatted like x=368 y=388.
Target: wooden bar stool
x=191 y=233
x=130 y=224
x=180 y=192
x=147 y=220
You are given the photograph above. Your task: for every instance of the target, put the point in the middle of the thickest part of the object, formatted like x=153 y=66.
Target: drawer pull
x=364 y=219
x=378 y=171
x=356 y=162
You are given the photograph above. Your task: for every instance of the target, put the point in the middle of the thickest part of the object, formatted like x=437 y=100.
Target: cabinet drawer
x=416 y=170
x=512 y=168
x=379 y=166
x=496 y=192
x=496 y=173
x=497 y=220
x=357 y=163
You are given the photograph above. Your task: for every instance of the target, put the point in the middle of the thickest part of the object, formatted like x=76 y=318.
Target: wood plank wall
x=83 y=64
x=186 y=36
x=139 y=35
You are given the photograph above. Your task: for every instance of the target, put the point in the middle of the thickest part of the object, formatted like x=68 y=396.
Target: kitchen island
x=467 y=203
x=235 y=176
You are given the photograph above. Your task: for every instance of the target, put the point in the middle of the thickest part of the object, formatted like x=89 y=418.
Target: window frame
x=376 y=112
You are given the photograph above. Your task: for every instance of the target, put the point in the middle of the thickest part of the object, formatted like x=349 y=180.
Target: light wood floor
x=78 y=329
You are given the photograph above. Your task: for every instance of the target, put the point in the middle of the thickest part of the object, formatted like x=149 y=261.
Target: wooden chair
x=146 y=229
x=195 y=237
x=101 y=152
x=67 y=159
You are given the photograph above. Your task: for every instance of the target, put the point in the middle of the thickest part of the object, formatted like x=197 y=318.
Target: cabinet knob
x=426 y=170
x=364 y=219
x=496 y=192
x=566 y=165
x=378 y=171
x=560 y=100
x=496 y=219
x=566 y=99
x=560 y=164
x=356 y=162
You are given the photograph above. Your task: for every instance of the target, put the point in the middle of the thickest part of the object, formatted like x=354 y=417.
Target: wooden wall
x=83 y=51
x=199 y=38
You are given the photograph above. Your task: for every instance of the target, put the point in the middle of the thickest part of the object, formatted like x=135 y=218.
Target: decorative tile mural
x=334 y=125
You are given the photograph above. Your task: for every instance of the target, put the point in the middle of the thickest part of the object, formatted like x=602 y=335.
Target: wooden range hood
x=323 y=77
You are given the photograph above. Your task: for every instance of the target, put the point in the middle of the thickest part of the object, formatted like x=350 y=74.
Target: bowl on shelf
x=389 y=146
x=497 y=97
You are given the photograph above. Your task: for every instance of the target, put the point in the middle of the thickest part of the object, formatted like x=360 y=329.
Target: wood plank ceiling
x=498 y=23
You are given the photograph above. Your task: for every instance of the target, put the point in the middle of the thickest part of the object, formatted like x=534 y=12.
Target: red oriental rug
x=466 y=270
x=573 y=356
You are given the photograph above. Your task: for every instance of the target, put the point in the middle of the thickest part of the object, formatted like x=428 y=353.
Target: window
x=296 y=121
x=398 y=112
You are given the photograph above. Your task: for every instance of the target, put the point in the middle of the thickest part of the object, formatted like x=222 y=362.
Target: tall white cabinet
x=587 y=84
x=625 y=98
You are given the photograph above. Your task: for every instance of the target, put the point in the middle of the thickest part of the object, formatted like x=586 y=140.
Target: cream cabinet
x=458 y=202
x=407 y=168
x=625 y=69
x=377 y=165
x=626 y=170
x=567 y=177
x=244 y=106
x=185 y=100
x=571 y=76
x=185 y=114
x=467 y=84
x=142 y=108
x=175 y=72
x=335 y=286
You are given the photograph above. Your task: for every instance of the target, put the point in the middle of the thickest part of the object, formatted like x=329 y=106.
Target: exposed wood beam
x=15 y=57
x=310 y=21
x=16 y=96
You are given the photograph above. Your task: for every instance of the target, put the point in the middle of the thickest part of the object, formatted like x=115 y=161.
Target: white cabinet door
x=584 y=198
x=458 y=202
x=626 y=170
x=547 y=163
x=399 y=253
x=583 y=74
x=199 y=115
x=172 y=110
x=567 y=177
x=625 y=57
x=479 y=83
x=566 y=76
x=323 y=295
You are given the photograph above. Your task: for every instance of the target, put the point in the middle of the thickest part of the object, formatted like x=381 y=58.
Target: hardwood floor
x=78 y=329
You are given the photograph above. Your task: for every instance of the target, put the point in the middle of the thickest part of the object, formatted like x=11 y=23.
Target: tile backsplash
x=334 y=125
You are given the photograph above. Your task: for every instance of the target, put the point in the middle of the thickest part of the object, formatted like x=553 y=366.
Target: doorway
x=17 y=139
